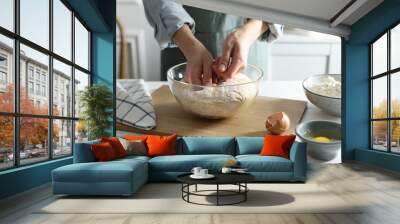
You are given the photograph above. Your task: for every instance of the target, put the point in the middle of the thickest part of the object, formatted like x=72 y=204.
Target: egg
x=322 y=139
x=277 y=123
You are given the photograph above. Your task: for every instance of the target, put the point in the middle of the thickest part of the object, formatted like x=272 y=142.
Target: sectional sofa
x=125 y=176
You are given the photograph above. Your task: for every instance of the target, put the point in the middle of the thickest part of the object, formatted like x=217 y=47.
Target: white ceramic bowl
x=321 y=150
x=214 y=102
x=329 y=104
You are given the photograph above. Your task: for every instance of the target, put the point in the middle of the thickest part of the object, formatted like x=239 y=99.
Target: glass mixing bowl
x=218 y=101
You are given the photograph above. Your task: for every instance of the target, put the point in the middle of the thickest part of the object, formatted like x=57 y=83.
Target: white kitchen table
x=279 y=89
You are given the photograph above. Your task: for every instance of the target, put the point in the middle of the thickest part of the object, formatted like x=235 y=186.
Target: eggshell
x=277 y=123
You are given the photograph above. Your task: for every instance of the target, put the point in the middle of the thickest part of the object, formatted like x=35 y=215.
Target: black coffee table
x=238 y=179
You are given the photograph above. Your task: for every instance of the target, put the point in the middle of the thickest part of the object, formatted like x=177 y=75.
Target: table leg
x=217 y=194
x=195 y=188
x=245 y=191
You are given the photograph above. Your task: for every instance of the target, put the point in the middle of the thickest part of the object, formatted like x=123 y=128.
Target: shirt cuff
x=274 y=32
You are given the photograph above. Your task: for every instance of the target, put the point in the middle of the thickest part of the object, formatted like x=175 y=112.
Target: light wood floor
x=351 y=181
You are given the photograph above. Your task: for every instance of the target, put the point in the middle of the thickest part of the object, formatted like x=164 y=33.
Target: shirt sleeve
x=166 y=17
x=274 y=32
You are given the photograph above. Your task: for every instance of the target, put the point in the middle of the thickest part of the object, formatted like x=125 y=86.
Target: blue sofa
x=125 y=176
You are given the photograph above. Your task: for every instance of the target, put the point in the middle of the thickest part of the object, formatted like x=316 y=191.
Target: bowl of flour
x=325 y=92
x=217 y=101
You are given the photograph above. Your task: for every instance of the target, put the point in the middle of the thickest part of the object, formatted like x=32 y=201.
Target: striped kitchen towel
x=134 y=104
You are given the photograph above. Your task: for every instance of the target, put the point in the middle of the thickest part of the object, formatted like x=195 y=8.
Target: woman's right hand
x=199 y=59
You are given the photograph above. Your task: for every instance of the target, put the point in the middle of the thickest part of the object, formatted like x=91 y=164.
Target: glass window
x=7 y=14
x=395 y=95
x=81 y=45
x=7 y=75
x=379 y=97
x=62 y=29
x=40 y=62
x=30 y=87
x=379 y=56
x=30 y=71
x=385 y=125
x=81 y=131
x=35 y=21
x=395 y=136
x=33 y=140
x=81 y=81
x=6 y=142
x=395 y=47
x=61 y=75
x=379 y=135
x=34 y=53
x=62 y=137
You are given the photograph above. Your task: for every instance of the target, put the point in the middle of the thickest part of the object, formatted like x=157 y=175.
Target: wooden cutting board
x=249 y=122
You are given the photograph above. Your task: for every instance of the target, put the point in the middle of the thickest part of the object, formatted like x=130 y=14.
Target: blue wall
x=355 y=70
x=99 y=16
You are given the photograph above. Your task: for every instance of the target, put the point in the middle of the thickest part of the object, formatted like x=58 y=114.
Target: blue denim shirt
x=167 y=16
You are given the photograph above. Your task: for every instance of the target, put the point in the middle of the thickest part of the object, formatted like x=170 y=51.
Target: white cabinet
x=307 y=53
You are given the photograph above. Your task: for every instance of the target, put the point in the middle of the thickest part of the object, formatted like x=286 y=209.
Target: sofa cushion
x=185 y=163
x=83 y=152
x=103 y=152
x=206 y=145
x=249 y=145
x=113 y=171
x=277 y=145
x=257 y=163
x=116 y=145
x=161 y=145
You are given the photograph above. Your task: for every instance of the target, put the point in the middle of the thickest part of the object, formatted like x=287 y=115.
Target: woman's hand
x=199 y=59
x=236 y=49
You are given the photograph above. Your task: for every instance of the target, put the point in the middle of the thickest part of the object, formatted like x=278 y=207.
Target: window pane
x=6 y=142
x=6 y=75
x=62 y=29
x=81 y=132
x=62 y=89
x=379 y=135
x=34 y=97
x=33 y=139
x=379 y=55
x=7 y=14
x=81 y=45
x=35 y=21
x=395 y=138
x=379 y=97
x=81 y=81
x=395 y=94
x=395 y=47
x=62 y=138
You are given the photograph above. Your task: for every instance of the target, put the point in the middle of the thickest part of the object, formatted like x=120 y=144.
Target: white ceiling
x=314 y=15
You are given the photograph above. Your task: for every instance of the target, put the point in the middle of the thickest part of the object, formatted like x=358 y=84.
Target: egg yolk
x=322 y=139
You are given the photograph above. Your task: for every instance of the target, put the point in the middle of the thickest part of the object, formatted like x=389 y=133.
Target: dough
x=219 y=101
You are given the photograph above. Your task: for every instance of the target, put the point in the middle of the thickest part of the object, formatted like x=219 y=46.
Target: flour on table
x=217 y=100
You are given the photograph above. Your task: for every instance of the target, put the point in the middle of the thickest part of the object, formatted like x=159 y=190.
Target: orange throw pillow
x=277 y=145
x=116 y=145
x=161 y=145
x=135 y=137
x=103 y=152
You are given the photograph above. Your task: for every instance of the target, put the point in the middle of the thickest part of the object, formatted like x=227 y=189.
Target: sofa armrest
x=298 y=155
x=83 y=152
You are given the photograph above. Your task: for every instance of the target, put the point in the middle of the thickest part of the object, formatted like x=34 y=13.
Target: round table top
x=220 y=178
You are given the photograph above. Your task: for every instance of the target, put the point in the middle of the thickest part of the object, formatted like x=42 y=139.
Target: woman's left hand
x=236 y=49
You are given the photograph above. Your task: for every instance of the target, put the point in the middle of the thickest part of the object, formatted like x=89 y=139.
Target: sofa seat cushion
x=257 y=163
x=206 y=145
x=185 y=163
x=113 y=171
